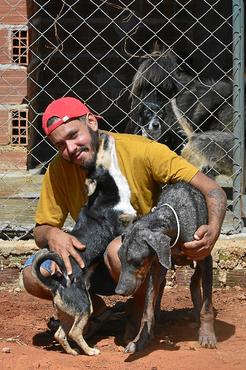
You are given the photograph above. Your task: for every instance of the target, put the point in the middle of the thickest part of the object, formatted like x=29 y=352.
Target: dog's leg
x=163 y=272
x=112 y=313
x=146 y=331
x=207 y=336
x=61 y=337
x=195 y=290
x=76 y=333
x=64 y=327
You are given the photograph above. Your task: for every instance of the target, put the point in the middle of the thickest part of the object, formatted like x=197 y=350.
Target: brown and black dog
x=106 y=215
x=211 y=151
x=146 y=250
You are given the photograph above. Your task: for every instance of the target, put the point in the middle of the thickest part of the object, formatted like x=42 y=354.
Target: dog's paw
x=93 y=352
x=133 y=347
x=207 y=338
x=74 y=352
x=207 y=341
x=130 y=348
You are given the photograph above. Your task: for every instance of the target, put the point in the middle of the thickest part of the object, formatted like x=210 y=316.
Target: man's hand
x=60 y=242
x=206 y=236
x=202 y=245
x=65 y=245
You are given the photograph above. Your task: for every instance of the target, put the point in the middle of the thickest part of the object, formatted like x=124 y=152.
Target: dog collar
x=177 y=220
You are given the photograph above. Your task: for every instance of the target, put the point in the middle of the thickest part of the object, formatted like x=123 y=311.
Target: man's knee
x=111 y=258
x=32 y=285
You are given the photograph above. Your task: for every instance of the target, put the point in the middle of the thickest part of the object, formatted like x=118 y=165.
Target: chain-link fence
x=170 y=70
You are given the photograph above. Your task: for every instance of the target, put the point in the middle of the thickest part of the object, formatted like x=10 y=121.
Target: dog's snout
x=120 y=291
x=127 y=284
x=121 y=287
x=154 y=124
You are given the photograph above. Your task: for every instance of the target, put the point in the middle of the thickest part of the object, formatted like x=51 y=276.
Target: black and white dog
x=106 y=215
x=159 y=84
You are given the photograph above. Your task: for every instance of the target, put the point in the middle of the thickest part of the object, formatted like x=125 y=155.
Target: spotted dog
x=105 y=216
x=147 y=249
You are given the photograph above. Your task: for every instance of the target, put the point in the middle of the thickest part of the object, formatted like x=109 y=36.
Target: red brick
x=12 y=160
x=4 y=127
x=13 y=12
x=13 y=86
x=5 y=45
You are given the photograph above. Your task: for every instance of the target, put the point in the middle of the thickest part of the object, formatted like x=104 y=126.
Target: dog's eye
x=135 y=263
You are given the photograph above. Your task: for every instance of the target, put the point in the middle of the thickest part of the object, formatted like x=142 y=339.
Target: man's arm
x=60 y=242
x=206 y=236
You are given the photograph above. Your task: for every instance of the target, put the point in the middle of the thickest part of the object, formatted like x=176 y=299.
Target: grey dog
x=146 y=249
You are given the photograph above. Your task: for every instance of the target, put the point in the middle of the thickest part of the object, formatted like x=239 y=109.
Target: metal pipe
x=238 y=116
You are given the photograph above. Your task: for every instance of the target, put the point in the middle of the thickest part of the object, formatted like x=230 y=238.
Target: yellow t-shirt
x=145 y=164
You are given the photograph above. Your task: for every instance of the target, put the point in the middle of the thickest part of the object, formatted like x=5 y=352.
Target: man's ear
x=160 y=243
x=92 y=122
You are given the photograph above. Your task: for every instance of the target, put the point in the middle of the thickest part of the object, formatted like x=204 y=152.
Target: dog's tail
x=51 y=282
x=181 y=119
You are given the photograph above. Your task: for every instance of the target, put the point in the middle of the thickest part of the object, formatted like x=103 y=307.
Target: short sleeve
x=166 y=166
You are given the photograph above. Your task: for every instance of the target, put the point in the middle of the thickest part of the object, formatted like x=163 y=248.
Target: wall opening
x=20 y=47
x=19 y=129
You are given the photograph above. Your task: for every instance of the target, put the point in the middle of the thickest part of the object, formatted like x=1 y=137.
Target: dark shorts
x=101 y=281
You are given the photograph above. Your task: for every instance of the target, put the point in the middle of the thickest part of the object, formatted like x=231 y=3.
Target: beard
x=89 y=165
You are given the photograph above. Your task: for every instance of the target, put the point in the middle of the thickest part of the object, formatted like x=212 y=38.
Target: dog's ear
x=90 y=186
x=160 y=243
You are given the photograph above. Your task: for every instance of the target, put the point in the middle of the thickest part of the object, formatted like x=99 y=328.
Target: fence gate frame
x=239 y=197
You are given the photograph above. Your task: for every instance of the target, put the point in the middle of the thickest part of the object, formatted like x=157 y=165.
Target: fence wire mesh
x=163 y=69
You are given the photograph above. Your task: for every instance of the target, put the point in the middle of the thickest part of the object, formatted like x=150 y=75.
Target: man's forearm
x=41 y=233
x=216 y=202
x=215 y=198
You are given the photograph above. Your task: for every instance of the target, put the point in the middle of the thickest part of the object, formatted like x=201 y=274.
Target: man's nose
x=71 y=146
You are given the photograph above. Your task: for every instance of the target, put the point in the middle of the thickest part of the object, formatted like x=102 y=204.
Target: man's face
x=77 y=141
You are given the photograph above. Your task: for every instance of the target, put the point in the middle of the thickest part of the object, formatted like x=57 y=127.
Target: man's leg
x=134 y=306
x=112 y=260
x=32 y=284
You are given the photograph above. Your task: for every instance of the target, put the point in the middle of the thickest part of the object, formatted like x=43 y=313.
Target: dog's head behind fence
x=157 y=80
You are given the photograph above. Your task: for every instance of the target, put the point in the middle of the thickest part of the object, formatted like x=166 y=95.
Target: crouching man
x=146 y=165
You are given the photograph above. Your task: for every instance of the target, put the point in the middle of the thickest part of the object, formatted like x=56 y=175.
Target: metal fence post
x=238 y=103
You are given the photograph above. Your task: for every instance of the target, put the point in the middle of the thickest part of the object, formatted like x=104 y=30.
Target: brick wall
x=13 y=12
x=13 y=83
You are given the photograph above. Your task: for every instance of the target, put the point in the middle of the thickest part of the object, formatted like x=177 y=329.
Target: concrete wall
x=229 y=262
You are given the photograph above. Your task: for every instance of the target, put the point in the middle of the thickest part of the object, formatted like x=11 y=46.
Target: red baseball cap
x=65 y=108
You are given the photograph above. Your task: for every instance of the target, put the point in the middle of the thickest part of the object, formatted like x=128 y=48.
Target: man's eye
x=73 y=136
x=60 y=147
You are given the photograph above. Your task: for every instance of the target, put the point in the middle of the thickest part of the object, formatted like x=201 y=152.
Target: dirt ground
x=27 y=344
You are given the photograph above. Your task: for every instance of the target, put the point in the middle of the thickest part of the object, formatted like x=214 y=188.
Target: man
x=146 y=165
